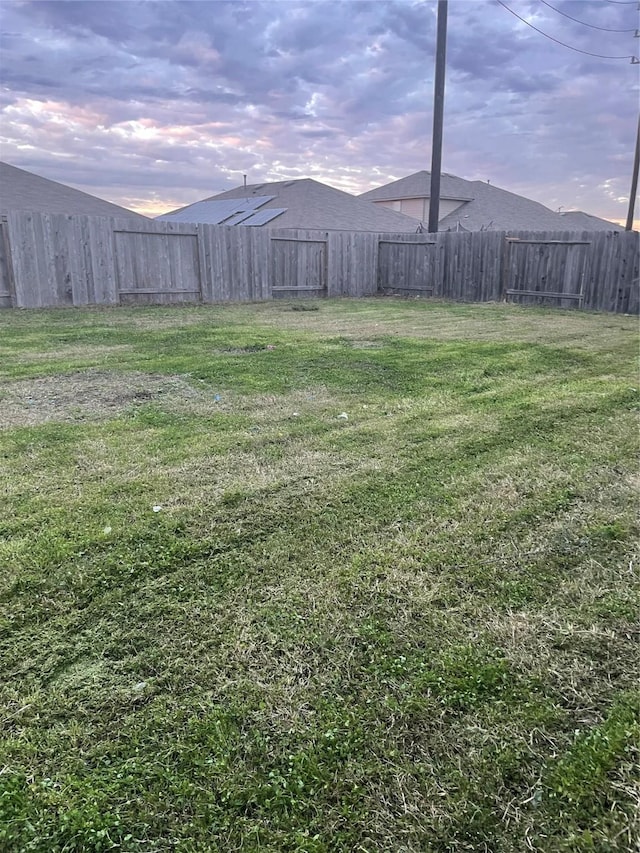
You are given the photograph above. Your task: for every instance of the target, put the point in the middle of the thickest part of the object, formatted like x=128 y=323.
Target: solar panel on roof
x=264 y=216
x=209 y=212
x=249 y=205
x=238 y=218
x=216 y=212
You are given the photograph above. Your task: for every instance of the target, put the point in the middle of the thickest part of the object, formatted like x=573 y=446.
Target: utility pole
x=634 y=182
x=438 y=115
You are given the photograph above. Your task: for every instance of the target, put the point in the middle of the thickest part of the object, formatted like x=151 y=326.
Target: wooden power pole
x=634 y=182
x=438 y=116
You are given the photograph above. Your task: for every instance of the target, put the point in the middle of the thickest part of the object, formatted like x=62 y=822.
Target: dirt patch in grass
x=86 y=396
x=96 y=395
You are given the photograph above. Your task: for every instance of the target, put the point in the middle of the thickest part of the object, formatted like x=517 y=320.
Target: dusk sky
x=157 y=104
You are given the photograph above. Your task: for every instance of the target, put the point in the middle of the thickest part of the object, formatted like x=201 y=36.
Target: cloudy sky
x=159 y=103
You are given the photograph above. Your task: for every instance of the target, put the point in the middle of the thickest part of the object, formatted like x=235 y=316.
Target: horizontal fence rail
x=58 y=260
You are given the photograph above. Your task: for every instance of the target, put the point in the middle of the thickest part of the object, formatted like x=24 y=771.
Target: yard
x=360 y=578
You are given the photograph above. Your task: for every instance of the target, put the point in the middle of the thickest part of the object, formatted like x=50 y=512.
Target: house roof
x=487 y=207
x=418 y=185
x=586 y=222
x=303 y=203
x=22 y=190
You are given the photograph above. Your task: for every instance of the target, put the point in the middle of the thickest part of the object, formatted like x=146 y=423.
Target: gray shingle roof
x=311 y=204
x=418 y=185
x=488 y=207
x=22 y=190
x=586 y=222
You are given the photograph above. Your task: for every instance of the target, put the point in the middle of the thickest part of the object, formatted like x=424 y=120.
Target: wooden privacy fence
x=596 y=270
x=58 y=260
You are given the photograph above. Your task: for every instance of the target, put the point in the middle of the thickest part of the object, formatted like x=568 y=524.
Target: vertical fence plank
x=335 y=263
x=7 y=294
x=61 y=257
x=631 y=248
x=81 y=280
x=22 y=243
x=100 y=238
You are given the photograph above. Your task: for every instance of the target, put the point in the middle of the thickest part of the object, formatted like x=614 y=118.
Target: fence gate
x=6 y=275
x=156 y=269
x=298 y=267
x=543 y=272
x=407 y=267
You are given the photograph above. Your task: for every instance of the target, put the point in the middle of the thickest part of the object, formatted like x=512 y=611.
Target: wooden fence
x=58 y=260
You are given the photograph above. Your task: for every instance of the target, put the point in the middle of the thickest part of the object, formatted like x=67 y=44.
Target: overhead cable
x=584 y=23
x=634 y=59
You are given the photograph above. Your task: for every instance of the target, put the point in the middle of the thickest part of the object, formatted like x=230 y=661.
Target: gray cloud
x=158 y=101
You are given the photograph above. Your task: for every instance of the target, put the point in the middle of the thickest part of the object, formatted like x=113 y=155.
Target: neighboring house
x=302 y=203
x=22 y=190
x=478 y=206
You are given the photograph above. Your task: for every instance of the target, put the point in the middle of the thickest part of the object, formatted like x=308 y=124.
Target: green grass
x=413 y=629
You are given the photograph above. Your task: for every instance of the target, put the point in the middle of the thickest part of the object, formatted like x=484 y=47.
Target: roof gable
x=418 y=185
x=22 y=190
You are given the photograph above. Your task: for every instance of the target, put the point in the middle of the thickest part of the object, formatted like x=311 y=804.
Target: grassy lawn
x=361 y=578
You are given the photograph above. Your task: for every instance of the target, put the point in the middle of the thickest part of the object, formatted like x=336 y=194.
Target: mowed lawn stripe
x=413 y=628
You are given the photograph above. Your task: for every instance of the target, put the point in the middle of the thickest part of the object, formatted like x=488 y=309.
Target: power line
x=584 y=23
x=623 y=2
x=634 y=59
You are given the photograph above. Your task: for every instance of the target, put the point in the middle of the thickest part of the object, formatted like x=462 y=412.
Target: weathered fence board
x=23 y=255
x=156 y=268
x=48 y=260
x=234 y=264
x=299 y=264
x=408 y=266
x=6 y=272
x=103 y=261
x=544 y=271
x=353 y=263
